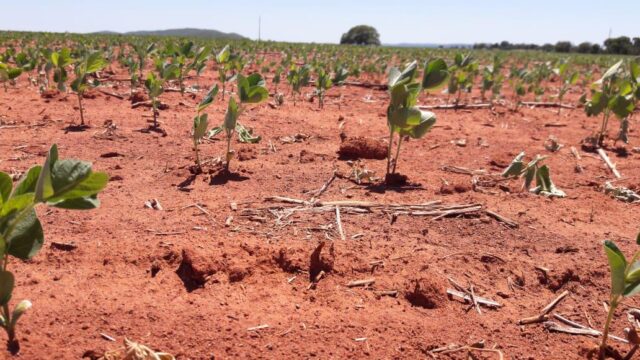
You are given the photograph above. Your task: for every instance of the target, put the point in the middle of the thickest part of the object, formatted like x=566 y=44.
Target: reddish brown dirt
x=362 y=148
x=182 y=281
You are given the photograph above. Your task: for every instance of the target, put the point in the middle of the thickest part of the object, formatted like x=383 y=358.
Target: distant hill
x=186 y=32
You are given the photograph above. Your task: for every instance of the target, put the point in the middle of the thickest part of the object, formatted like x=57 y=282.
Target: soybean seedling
x=323 y=83
x=567 y=79
x=625 y=282
x=90 y=64
x=224 y=65
x=66 y=184
x=59 y=61
x=403 y=116
x=251 y=90
x=154 y=85
x=297 y=78
x=614 y=93
x=531 y=171
x=200 y=121
x=8 y=74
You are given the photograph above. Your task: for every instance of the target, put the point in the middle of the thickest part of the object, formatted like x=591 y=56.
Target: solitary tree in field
x=361 y=35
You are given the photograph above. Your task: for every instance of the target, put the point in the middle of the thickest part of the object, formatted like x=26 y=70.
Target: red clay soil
x=195 y=281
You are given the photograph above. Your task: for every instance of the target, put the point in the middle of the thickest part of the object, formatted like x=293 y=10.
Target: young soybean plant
x=8 y=74
x=403 y=116
x=251 y=90
x=224 y=65
x=200 y=121
x=59 y=61
x=297 y=78
x=66 y=184
x=617 y=95
x=154 y=85
x=531 y=171
x=323 y=83
x=567 y=79
x=625 y=282
x=90 y=64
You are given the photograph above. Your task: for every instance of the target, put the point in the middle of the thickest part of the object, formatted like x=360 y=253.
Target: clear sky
x=410 y=21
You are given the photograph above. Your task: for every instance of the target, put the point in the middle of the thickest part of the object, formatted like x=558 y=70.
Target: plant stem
x=395 y=161
x=229 y=135
x=81 y=111
x=605 y=122
x=605 y=333
x=389 y=150
x=155 y=116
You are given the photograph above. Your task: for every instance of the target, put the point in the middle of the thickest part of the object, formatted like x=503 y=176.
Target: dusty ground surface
x=194 y=282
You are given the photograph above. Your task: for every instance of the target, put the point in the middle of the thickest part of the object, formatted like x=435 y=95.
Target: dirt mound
x=426 y=292
x=291 y=260
x=49 y=93
x=448 y=189
x=359 y=147
x=137 y=97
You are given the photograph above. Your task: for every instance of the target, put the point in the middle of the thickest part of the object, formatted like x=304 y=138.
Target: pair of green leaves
x=68 y=184
x=90 y=64
x=200 y=121
x=625 y=277
x=252 y=89
x=403 y=116
x=60 y=60
x=8 y=73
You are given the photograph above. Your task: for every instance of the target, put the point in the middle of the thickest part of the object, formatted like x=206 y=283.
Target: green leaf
x=44 y=188
x=170 y=72
x=7 y=282
x=544 y=184
x=95 y=62
x=632 y=289
x=246 y=136
x=16 y=203
x=231 y=116
x=400 y=78
x=427 y=120
x=13 y=73
x=67 y=174
x=529 y=175
x=27 y=238
x=83 y=203
x=200 y=124
x=597 y=104
x=611 y=71
x=622 y=106
x=28 y=181
x=435 y=74
x=516 y=166
x=251 y=89
x=5 y=187
x=404 y=117
x=88 y=186
x=633 y=274
x=223 y=56
x=18 y=311
x=208 y=99
x=618 y=265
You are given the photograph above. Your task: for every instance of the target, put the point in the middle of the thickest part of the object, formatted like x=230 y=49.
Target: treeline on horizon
x=622 y=45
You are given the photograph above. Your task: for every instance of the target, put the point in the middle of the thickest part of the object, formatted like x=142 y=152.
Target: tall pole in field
x=259 y=27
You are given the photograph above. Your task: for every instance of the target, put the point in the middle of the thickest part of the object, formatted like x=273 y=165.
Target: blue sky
x=415 y=21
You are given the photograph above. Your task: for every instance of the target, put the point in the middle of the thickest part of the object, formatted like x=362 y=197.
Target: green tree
x=563 y=46
x=361 y=35
x=621 y=45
